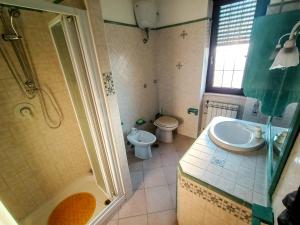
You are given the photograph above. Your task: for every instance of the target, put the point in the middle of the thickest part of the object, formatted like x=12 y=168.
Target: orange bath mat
x=77 y=209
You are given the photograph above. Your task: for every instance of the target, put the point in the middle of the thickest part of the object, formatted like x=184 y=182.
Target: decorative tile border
x=120 y=23
x=240 y=212
x=183 y=23
x=159 y=28
x=108 y=84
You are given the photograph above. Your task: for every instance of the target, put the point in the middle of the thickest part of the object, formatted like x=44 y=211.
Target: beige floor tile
x=137 y=220
x=154 y=177
x=182 y=143
x=163 y=218
x=134 y=206
x=170 y=173
x=158 y=176
x=170 y=158
x=131 y=157
x=155 y=152
x=165 y=148
x=115 y=216
x=180 y=154
x=136 y=166
x=137 y=180
x=173 y=190
x=112 y=222
x=154 y=162
x=158 y=199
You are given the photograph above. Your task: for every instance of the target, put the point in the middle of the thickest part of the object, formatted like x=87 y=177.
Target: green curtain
x=276 y=88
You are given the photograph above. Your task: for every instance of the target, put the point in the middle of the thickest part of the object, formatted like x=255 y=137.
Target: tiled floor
x=154 y=184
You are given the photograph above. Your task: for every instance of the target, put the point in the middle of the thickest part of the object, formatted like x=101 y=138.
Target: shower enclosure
x=55 y=141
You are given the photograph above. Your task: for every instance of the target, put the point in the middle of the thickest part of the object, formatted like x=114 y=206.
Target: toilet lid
x=166 y=121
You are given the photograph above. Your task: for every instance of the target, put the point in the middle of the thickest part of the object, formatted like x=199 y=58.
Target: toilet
x=165 y=126
x=142 y=141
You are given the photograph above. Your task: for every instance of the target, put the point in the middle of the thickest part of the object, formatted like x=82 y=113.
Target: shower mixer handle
x=30 y=84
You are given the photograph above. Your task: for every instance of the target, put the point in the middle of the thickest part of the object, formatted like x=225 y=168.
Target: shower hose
x=29 y=85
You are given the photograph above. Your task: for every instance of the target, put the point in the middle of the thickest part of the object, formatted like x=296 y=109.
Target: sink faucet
x=256 y=130
x=133 y=131
x=258 y=133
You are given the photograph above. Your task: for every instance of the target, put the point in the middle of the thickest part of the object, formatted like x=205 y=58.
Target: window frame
x=261 y=9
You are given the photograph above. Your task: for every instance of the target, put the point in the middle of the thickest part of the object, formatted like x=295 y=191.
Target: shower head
x=12 y=34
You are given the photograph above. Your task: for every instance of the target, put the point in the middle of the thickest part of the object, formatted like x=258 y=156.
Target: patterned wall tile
x=183 y=34
x=180 y=87
x=132 y=64
x=108 y=83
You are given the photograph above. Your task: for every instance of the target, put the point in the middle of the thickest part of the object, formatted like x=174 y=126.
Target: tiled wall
x=99 y=41
x=37 y=161
x=132 y=64
x=166 y=74
x=181 y=53
x=230 y=99
x=246 y=109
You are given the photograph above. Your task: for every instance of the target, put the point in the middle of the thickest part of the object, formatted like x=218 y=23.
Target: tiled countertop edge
x=213 y=188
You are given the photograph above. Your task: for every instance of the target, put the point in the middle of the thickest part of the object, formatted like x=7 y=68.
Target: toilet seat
x=165 y=127
x=167 y=122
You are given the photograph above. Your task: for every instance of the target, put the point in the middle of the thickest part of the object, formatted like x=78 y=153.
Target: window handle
x=212 y=60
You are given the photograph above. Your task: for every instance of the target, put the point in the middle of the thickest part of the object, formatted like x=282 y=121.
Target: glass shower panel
x=277 y=89
x=70 y=78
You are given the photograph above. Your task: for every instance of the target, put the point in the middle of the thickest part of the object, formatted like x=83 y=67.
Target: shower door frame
x=101 y=131
x=74 y=50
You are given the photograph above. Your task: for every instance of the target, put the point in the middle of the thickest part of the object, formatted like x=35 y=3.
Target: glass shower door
x=64 y=34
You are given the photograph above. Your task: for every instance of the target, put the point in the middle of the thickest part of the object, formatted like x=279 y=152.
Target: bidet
x=142 y=141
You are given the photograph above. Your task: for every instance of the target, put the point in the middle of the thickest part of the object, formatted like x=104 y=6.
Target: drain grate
x=107 y=202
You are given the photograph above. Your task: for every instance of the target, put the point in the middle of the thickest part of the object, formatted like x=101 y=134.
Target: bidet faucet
x=133 y=130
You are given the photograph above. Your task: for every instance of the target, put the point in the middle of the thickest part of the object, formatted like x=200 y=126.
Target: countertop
x=241 y=175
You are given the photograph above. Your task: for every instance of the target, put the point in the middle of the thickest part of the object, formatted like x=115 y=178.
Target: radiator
x=213 y=109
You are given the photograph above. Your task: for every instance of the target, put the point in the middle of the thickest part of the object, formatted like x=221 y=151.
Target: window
x=231 y=30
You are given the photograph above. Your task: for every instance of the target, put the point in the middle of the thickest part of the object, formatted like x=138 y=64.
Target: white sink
x=235 y=135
